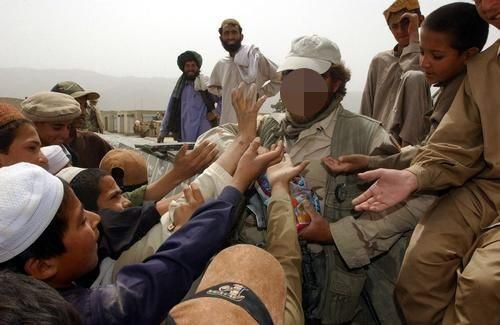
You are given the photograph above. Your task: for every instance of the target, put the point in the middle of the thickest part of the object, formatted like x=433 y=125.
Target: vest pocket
x=343 y=290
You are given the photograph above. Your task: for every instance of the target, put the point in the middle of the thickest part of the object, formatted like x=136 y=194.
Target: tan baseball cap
x=75 y=90
x=399 y=5
x=50 y=107
x=132 y=163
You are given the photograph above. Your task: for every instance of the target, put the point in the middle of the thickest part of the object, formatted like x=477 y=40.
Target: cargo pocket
x=343 y=291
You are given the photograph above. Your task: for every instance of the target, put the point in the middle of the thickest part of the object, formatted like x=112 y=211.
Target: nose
x=424 y=62
x=93 y=218
x=42 y=159
x=126 y=203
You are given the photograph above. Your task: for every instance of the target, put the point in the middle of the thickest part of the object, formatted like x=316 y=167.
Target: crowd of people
x=320 y=216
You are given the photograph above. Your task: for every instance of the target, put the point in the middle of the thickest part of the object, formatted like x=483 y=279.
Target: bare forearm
x=230 y=157
x=160 y=188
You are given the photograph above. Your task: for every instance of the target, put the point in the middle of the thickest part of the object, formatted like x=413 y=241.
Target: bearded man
x=244 y=63
x=192 y=110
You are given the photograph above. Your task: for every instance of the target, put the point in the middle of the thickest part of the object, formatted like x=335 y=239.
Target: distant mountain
x=117 y=93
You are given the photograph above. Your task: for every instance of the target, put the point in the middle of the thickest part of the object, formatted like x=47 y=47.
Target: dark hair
x=342 y=73
x=230 y=24
x=26 y=300
x=49 y=244
x=86 y=187
x=8 y=133
x=461 y=22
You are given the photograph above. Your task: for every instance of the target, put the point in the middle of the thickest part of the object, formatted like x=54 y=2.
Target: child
x=19 y=140
x=447 y=44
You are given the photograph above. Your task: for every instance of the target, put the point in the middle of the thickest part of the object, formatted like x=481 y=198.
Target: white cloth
x=226 y=75
x=28 y=203
x=69 y=173
x=56 y=157
x=247 y=62
x=201 y=83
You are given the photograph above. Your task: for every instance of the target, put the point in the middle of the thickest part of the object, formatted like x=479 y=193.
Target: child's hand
x=252 y=164
x=189 y=163
x=284 y=171
x=246 y=106
x=194 y=199
x=345 y=164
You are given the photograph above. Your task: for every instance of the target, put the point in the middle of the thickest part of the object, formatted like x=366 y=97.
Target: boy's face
x=53 y=132
x=439 y=61
x=24 y=148
x=399 y=28
x=489 y=10
x=80 y=241
x=110 y=196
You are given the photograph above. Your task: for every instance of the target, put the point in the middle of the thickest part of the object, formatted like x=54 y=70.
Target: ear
x=242 y=37
x=41 y=269
x=336 y=85
x=469 y=54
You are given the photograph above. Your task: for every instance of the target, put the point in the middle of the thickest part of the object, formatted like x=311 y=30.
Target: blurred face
x=191 y=69
x=24 y=148
x=80 y=241
x=439 y=61
x=51 y=133
x=489 y=10
x=110 y=196
x=231 y=38
x=399 y=28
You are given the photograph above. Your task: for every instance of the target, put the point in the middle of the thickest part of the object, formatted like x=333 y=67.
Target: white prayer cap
x=27 y=206
x=56 y=157
x=69 y=173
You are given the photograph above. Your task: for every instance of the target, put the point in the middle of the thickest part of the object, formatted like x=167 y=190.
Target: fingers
x=371 y=175
x=308 y=207
x=299 y=168
x=363 y=197
x=188 y=194
x=182 y=151
x=197 y=193
x=260 y=102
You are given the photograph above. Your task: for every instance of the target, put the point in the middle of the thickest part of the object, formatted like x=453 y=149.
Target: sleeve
x=215 y=81
x=454 y=153
x=382 y=143
x=144 y=293
x=136 y=196
x=400 y=160
x=166 y=116
x=410 y=58
x=369 y=92
x=359 y=240
x=267 y=69
x=282 y=243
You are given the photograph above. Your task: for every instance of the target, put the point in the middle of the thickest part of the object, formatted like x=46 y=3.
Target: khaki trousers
x=451 y=270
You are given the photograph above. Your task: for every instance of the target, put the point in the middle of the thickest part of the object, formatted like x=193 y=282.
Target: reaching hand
x=284 y=171
x=345 y=164
x=246 y=105
x=252 y=164
x=391 y=187
x=413 y=22
x=318 y=230
x=189 y=163
x=194 y=199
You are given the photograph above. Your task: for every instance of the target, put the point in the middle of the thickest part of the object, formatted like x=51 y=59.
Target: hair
x=8 y=133
x=342 y=73
x=461 y=22
x=49 y=244
x=86 y=187
x=230 y=24
x=26 y=300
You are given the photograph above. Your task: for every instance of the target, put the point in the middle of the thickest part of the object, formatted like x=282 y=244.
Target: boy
x=396 y=93
x=446 y=45
x=454 y=251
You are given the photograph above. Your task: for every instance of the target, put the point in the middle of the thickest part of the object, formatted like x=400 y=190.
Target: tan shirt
x=226 y=76
x=466 y=145
x=382 y=96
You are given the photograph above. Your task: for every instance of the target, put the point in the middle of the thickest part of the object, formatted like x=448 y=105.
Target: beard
x=232 y=48
x=191 y=76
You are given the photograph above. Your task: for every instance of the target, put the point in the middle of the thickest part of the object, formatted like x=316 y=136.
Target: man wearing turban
x=192 y=110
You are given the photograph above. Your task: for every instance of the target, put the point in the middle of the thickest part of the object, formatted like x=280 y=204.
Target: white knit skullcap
x=28 y=202
x=69 y=173
x=56 y=157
